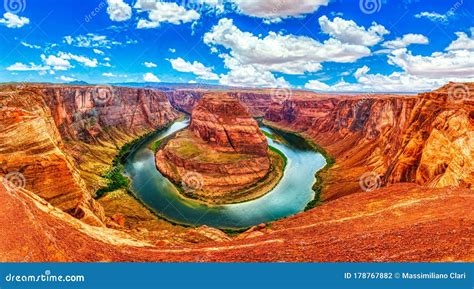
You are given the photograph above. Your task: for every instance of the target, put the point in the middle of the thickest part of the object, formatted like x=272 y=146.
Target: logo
x=370 y=6
x=14 y=181
x=370 y=181
x=192 y=181
x=14 y=6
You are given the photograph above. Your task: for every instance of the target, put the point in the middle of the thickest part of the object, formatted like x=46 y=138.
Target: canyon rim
x=399 y=173
x=254 y=131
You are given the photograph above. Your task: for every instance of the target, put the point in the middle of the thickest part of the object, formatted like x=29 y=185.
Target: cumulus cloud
x=456 y=63
x=420 y=72
x=159 y=12
x=276 y=9
x=463 y=42
x=97 y=51
x=405 y=41
x=195 y=67
x=348 y=31
x=277 y=52
x=57 y=63
x=11 y=20
x=62 y=61
x=118 y=10
x=150 y=77
x=26 y=67
x=395 y=82
x=81 y=59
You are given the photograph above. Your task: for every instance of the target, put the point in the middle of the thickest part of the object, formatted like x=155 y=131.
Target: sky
x=321 y=45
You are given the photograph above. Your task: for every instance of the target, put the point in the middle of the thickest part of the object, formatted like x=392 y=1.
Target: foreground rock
x=221 y=155
x=400 y=223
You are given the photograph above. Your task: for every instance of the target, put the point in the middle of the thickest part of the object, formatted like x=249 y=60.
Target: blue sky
x=324 y=45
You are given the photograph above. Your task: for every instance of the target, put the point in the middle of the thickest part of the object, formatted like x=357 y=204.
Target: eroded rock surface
x=222 y=152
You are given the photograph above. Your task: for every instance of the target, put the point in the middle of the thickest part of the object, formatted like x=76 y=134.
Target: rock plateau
x=221 y=156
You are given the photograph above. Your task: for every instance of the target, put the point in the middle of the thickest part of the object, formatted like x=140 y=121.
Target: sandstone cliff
x=61 y=139
x=223 y=148
x=425 y=139
x=222 y=121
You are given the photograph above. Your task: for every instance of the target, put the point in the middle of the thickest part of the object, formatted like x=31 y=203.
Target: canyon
x=416 y=151
x=223 y=154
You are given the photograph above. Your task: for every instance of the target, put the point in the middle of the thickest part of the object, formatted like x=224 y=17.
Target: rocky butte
x=222 y=157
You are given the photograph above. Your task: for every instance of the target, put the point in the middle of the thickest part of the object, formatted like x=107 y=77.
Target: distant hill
x=78 y=82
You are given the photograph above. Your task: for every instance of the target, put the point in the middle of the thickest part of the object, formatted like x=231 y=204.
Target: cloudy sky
x=324 y=45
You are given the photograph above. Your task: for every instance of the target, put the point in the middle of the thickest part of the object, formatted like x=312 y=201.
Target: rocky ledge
x=222 y=157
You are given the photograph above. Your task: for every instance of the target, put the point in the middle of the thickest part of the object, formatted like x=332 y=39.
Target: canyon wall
x=57 y=141
x=54 y=136
x=426 y=139
x=376 y=139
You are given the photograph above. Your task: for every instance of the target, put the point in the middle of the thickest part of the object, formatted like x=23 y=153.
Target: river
x=289 y=197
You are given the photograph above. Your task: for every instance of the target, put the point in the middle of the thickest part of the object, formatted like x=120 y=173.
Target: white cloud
x=463 y=42
x=456 y=63
x=62 y=61
x=81 y=59
x=159 y=12
x=150 y=77
x=97 y=51
x=32 y=46
x=420 y=73
x=405 y=41
x=248 y=75
x=435 y=17
x=57 y=63
x=150 y=64
x=277 y=52
x=14 y=21
x=347 y=31
x=172 y=50
x=196 y=68
x=26 y=67
x=91 y=40
x=67 y=78
x=119 y=10
x=274 y=9
x=110 y=74
x=361 y=71
x=395 y=82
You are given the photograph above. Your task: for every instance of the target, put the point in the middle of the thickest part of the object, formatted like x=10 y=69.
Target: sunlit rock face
x=222 y=121
x=45 y=128
x=223 y=145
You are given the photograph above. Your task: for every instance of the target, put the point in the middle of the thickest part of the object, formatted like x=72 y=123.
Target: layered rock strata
x=57 y=141
x=223 y=150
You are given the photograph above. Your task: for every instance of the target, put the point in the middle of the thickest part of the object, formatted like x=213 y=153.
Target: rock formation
x=223 y=151
x=401 y=223
x=62 y=138
x=47 y=133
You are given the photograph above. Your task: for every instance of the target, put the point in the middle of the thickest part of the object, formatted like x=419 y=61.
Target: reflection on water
x=289 y=197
